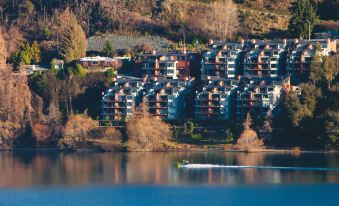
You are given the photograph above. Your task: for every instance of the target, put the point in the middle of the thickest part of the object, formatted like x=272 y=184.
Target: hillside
x=198 y=19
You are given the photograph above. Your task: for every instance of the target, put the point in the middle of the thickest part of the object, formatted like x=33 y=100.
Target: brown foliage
x=76 y=131
x=8 y=131
x=3 y=50
x=41 y=132
x=248 y=140
x=146 y=132
x=217 y=20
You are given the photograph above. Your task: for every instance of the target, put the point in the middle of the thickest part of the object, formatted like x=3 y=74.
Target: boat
x=182 y=163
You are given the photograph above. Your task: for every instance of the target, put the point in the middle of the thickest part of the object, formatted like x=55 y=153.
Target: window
x=231 y=72
x=273 y=66
x=170 y=64
x=170 y=71
x=231 y=66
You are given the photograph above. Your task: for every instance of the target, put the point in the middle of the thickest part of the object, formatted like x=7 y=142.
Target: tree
x=330 y=69
x=108 y=49
x=332 y=128
x=220 y=20
x=304 y=17
x=3 y=50
x=36 y=53
x=146 y=132
x=25 y=54
x=76 y=131
x=316 y=69
x=74 y=43
x=248 y=139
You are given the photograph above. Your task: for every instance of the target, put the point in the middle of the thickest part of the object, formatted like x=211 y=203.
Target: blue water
x=53 y=178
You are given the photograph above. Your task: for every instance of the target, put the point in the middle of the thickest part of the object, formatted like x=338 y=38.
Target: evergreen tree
x=304 y=15
x=108 y=49
x=25 y=54
x=74 y=43
x=36 y=53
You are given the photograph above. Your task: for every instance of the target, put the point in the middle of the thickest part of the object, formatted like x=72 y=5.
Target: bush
x=76 y=132
x=146 y=132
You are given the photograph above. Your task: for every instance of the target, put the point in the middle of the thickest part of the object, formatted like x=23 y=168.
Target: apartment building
x=167 y=98
x=221 y=60
x=120 y=100
x=216 y=100
x=171 y=65
x=257 y=97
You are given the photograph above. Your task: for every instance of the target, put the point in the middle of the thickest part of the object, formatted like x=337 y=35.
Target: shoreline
x=89 y=150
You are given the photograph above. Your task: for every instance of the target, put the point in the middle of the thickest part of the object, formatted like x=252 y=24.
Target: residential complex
x=263 y=59
x=235 y=79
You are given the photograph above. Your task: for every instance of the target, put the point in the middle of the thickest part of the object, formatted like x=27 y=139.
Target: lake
x=93 y=178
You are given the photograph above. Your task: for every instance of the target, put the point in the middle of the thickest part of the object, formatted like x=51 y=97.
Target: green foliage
x=189 y=127
x=332 y=128
x=25 y=55
x=304 y=14
x=108 y=49
x=38 y=83
x=298 y=107
x=46 y=32
x=36 y=53
x=229 y=137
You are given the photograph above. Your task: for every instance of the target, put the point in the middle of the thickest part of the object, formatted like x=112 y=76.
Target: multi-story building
x=167 y=98
x=221 y=61
x=120 y=100
x=257 y=98
x=216 y=100
x=262 y=63
x=301 y=52
x=172 y=65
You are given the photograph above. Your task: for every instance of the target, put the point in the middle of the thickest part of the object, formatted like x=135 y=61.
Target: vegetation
x=74 y=44
x=304 y=18
x=77 y=131
x=146 y=132
x=248 y=140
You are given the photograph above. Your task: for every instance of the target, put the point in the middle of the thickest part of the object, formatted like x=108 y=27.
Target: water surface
x=89 y=178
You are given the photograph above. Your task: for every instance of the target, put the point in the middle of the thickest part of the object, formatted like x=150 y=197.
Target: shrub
x=76 y=132
x=146 y=132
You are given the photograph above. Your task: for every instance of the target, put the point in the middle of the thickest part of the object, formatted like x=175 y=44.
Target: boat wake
x=209 y=166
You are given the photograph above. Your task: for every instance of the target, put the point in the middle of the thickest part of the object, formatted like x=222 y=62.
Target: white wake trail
x=208 y=166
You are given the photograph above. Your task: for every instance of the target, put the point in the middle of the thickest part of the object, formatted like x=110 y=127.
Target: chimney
x=284 y=41
x=296 y=41
x=242 y=41
x=238 y=77
x=184 y=51
x=210 y=42
x=154 y=52
x=253 y=41
x=328 y=40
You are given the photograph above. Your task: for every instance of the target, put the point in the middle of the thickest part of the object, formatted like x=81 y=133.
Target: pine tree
x=108 y=49
x=304 y=15
x=25 y=54
x=74 y=43
x=36 y=53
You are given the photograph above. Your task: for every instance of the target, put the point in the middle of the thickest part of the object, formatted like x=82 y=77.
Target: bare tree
x=220 y=20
